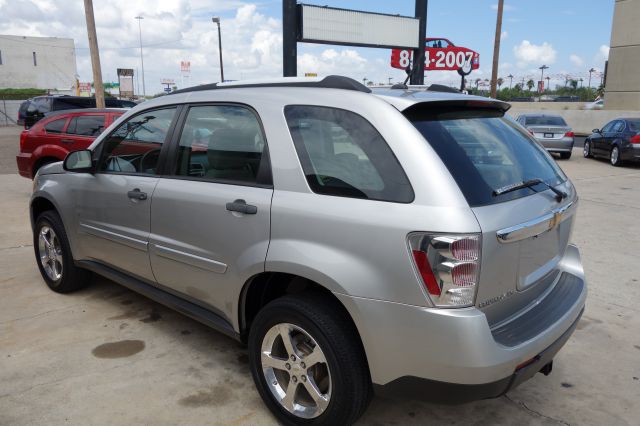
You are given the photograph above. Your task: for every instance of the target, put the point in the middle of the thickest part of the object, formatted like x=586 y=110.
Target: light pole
x=140 y=18
x=216 y=19
x=590 y=71
x=548 y=85
x=542 y=68
x=510 y=80
x=581 y=80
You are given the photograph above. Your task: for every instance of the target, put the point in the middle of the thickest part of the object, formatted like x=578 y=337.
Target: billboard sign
x=168 y=81
x=85 y=89
x=355 y=28
x=125 y=80
x=440 y=55
x=185 y=67
x=540 y=86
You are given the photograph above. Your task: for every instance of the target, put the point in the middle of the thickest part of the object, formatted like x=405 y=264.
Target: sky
x=569 y=36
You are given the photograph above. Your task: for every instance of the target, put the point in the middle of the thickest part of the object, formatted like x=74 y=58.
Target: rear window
x=343 y=155
x=55 y=126
x=485 y=151
x=634 y=125
x=545 y=121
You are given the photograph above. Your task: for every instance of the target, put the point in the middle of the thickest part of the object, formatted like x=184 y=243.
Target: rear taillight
x=568 y=135
x=23 y=138
x=635 y=139
x=448 y=266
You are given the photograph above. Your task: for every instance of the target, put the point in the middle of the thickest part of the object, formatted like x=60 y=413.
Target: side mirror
x=79 y=161
x=596 y=131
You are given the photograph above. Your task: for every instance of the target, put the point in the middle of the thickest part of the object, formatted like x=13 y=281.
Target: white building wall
x=55 y=66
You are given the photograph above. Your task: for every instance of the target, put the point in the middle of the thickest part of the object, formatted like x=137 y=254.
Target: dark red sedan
x=53 y=137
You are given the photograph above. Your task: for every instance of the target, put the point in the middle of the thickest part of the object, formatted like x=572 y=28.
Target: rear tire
x=318 y=329
x=53 y=255
x=586 y=149
x=565 y=155
x=615 y=157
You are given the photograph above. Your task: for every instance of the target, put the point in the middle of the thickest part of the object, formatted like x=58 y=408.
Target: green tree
x=500 y=82
x=530 y=84
x=574 y=84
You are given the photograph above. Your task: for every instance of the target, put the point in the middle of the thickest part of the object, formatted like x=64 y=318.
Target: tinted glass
x=619 y=126
x=608 y=127
x=342 y=154
x=55 y=126
x=633 y=125
x=545 y=121
x=86 y=125
x=222 y=143
x=134 y=147
x=485 y=151
x=72 y=102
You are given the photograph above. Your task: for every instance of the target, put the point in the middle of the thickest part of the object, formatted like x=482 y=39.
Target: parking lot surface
x=105 y=355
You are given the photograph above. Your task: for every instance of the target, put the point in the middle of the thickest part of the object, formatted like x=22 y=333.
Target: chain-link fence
x=9 y=111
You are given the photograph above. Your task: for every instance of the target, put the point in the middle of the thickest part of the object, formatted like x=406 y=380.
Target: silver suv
x=398 y=241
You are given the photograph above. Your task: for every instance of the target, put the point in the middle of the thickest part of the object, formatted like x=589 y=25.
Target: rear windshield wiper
x=560 y=195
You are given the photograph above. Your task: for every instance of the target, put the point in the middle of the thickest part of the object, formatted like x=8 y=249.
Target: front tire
x=307 y=361
x=615 y=159
x=53 y=255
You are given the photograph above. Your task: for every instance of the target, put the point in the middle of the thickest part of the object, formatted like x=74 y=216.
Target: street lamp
x=548 y=85
x=216 y=20
x=140 y=18
x=510 y=80
x=590 y=71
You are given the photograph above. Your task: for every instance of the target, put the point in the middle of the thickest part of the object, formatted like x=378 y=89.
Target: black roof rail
x=329 y=82
x=442 y=88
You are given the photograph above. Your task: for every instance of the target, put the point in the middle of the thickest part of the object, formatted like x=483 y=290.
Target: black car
x=34 y=109
x=618 y=140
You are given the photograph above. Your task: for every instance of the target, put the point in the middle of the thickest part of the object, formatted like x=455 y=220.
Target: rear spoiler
x=468 y=103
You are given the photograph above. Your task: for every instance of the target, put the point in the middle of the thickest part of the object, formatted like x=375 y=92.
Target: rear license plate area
x=548 y=135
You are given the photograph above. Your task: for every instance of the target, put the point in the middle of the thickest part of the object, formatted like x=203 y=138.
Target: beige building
x=622 y=89
x=37 y=62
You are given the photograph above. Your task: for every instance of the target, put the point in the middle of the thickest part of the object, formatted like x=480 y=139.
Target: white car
x=599 y=104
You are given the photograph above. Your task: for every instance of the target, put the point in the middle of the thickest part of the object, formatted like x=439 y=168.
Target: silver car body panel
x=353 y=247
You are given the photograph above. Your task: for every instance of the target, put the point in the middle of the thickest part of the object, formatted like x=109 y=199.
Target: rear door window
x=223 y=143
x=55 y=126
x=86 y=125
x=342 y=154
x=484 y=151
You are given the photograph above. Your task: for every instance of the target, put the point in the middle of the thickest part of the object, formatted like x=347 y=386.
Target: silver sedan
x=551 y=131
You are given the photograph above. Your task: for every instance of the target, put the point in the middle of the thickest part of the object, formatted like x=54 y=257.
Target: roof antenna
x=410 y=71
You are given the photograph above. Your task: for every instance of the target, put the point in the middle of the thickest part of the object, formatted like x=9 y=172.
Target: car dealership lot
x=108 y=356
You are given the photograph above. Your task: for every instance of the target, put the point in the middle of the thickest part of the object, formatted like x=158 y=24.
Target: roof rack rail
x=328 y=82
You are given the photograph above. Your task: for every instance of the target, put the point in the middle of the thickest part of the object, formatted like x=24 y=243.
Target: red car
x=53 y=137
x=441 y=55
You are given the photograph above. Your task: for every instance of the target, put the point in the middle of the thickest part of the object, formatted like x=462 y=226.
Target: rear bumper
x=630 y=153
x=24 y=164
x=455 y=350
x=557 y=145
x=442 y=392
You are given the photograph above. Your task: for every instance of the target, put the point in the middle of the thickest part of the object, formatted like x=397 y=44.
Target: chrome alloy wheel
x=296 y=370
x=585 y=150
x=50 y=253
x=615 y=155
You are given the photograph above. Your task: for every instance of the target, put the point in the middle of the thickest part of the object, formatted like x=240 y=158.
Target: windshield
x=485 y=151
x=545 y=121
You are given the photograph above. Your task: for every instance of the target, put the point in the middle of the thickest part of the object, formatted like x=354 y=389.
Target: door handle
x=67 y=140
x=136 y=194
x=241 y=206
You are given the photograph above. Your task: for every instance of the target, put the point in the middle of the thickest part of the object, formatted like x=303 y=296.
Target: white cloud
x=504 y=35
x=506 y=7
x=527 y=53
x=603 y=53
x=576 y=60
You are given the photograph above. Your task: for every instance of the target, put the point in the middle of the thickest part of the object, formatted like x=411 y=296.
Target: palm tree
x=530 y=84
x=500 y=82
x=574 y=84
x=518 y=87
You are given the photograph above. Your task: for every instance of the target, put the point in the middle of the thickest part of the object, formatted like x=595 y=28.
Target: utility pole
x=140 y=18
x=216 y=19
x=95 y=54
x=289 y=38
x=496 y=49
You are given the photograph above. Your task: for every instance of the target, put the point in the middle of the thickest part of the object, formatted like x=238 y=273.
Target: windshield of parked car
x=485 y=151
x=545 y=121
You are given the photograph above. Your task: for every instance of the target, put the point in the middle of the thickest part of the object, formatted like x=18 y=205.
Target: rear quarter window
x=342 y=154
x=55 y=126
